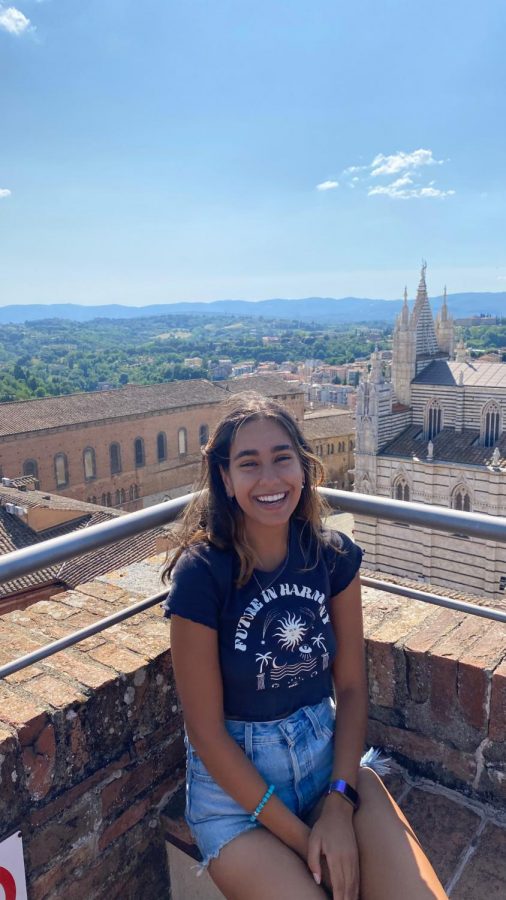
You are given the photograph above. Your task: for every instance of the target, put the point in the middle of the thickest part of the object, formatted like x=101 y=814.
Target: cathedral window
x=115 y=458
x=433 y=420
x=490 y=424
x=140 y=459
x=203 y=435
x=30 y=467
x=161 y=446
x=182 y=442
x=401 y=489
x=61 y=470
x=461 y=499
x=89 y=464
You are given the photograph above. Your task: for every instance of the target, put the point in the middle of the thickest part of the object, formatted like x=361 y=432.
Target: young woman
x=266 y=629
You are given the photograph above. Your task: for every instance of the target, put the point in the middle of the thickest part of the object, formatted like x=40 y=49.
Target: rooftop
x=449 y=446
x=473 y=373
x=17 y=532
x=328 y=426
x=131 y=400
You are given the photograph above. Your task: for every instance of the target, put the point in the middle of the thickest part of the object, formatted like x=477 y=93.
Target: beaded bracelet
x=268 y=794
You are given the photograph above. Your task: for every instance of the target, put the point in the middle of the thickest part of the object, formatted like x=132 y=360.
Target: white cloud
x=401 y=162
x=407 y=166
x=327 y=186
x=351 y=169
x=13 y=20
x=399 y=190
x=4 y=192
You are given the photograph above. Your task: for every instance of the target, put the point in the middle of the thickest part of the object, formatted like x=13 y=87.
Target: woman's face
x=265 y=474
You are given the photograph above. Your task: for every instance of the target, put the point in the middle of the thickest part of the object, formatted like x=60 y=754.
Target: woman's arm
x=198 y=679
x=333 y=835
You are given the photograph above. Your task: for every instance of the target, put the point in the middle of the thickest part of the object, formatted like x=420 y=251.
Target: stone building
x=129 y=447
x=434 y=434
x=332 y=434
x=29 y=517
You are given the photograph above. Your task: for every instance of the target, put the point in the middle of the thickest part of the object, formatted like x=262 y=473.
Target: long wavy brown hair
x=212 y=517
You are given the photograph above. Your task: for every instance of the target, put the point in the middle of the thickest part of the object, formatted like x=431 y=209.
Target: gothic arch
x=401 y=489
x=433 y=419
x=490 y=424
x=461 y=498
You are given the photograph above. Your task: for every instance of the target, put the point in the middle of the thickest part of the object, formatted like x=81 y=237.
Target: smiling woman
x=266 y=630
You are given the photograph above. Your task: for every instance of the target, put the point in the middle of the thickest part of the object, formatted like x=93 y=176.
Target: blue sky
x=161 y=151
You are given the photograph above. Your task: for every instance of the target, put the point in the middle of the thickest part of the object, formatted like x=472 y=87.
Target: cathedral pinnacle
x=444 y=307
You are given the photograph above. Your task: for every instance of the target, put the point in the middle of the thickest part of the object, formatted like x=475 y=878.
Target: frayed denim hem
x=374 y=759
x=203 y=866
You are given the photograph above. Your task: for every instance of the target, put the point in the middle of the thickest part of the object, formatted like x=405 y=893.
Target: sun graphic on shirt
x=291 y=631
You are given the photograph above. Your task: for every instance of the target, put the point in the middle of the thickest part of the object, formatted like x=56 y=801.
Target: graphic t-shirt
x=276 y=641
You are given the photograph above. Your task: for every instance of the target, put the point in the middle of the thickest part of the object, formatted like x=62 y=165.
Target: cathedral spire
x=426 y=343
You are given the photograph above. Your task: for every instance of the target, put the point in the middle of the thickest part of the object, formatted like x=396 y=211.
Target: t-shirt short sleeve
x=193 y=592
x=344 y=558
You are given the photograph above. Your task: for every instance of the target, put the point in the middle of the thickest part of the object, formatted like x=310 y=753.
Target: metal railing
x=30 y=559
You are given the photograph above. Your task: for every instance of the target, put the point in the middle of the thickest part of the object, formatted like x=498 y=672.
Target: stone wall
x=91 y=744
x=91 y=739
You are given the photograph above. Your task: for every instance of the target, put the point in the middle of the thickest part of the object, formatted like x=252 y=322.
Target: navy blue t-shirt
x=276 y=642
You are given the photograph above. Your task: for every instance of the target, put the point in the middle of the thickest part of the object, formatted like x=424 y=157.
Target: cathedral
x=433 y=433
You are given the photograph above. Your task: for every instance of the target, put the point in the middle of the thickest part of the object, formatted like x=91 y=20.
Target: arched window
x=161 y=446
x=122 y=496
x=61 y=470
x=401 y=489
x=182 y=442
x=115 y=458
x=203 y=435
x=490 y=424
x=433 y=419
x=89 y=463
x=131 y=492
x=461 y=499
x=109 y=499
x=139 y=452
x=30 y=467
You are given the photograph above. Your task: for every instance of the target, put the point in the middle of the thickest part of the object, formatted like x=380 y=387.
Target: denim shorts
x=295 y=754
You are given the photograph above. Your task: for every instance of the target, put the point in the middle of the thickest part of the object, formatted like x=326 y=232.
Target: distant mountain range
x=318 y=309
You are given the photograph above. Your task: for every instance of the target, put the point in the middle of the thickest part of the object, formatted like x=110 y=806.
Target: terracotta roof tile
x=130 y=400
x=328 y=426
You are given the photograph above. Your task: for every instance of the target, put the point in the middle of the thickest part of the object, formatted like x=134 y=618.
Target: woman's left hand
x=332 y=854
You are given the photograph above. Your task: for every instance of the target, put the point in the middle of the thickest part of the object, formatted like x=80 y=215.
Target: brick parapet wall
x=91 y=743
x=91 y=739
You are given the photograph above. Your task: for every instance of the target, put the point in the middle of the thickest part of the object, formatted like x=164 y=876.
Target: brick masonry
x=91 y=739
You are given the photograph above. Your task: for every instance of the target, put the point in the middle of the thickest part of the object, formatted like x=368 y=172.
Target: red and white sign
x=12 y=869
